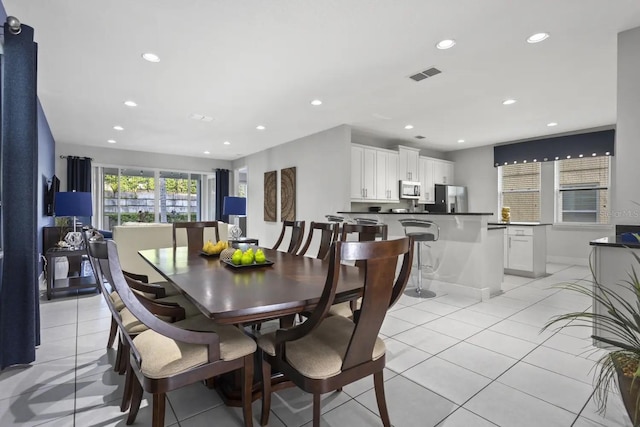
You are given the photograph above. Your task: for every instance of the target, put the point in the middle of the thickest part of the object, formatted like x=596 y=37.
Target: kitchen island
x=467 y=259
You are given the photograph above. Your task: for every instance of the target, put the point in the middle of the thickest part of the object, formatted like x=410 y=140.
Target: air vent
x=420 y=137
x=425 y=74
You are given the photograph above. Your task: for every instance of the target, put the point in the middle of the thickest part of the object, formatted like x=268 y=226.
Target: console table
x=66 y=284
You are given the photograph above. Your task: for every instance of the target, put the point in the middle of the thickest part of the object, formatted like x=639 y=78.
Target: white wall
x=322 y=162
x=115 y=157
x=626 y=179
x=474 y=169
x=566 y=244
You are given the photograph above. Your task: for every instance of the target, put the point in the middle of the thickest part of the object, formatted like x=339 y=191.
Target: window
x=520 y=191
x=143 y=195
x=582 y=190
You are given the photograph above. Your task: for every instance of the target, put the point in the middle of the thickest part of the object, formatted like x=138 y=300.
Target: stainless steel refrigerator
x=451 y=198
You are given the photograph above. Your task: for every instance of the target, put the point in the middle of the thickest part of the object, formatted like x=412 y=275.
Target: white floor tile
x=294 y=407
x=94 y=325
x=99 y=389
x=522 y=331
x=414 y=316
x=56 y=350
x=453 y=328
x=474 y=318
x=614 y=416
x=538 y=315
x=529 y=294
x=456 y=300
x=28 y=379
x=494 y=309
x=447 y=379
x=436 y=307
x=576 y=346
x=57 y=333
x=392 y=326
x=562 y=363
x=401 y=356
x=193 y=399
x=507 y=407
x=500 y=343
x=351 y=413
x=553 y=388
x=464 y=418
x=477 y=359
x=95 y=362
x=109 y=415
x=40 y=405
x=225 y=416
x=365 y=384
x=426 y=340
x=409 y=404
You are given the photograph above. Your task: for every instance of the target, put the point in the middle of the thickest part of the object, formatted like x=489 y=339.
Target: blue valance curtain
x=222 y=190
x=592 y=144
x=19 y=304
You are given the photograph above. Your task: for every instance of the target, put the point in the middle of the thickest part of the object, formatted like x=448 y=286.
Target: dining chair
x=168 y=356
x=297 y=234
x=195 y=233
x=326 y=353
x=328 y=234
x=121 y=316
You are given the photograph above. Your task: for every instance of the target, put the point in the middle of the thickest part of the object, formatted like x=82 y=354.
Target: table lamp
x=74 y=204
x=234 y=206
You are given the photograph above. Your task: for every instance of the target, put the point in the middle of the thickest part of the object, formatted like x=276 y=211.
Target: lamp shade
x=234 y=206
x=73 y=203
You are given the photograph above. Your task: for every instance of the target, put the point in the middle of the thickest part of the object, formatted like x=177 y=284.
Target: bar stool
x=422 y=231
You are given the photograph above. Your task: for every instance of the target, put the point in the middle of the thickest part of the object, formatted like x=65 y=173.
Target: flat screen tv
x=53 y=186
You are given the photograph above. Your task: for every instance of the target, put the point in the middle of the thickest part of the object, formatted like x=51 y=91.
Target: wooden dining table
x=239 y=295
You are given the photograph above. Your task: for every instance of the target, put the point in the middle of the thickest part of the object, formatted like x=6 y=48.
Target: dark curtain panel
x=222 y=190
x=79 y=174
x=19 y=304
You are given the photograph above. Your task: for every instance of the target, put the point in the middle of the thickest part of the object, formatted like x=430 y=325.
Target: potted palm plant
x=620 y=322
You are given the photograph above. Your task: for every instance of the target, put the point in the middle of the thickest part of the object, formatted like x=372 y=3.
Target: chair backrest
x=195 y=233
x=297 y=234
x=328 y=235
x=112 y=271
x=381 y=290
x=366 y=232
x=421 y=230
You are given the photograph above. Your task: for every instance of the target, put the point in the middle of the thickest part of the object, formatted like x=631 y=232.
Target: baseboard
x=481 y=294
x=568 y=260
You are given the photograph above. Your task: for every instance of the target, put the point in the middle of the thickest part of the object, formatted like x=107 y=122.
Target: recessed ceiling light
x=509 y=101
x=538 y=37
x=524 y=161
x=607 y=153
x=535 y=160
x=445 y=44
x=316 y=102
x=460 y=141
x=130 y=104
x=206 y=152
x=593 y=154
x=118 y=127
x=557 y=157
x=260 y=127
x=408 y=127
x=226 y=143
x=552 y=124
x=111 y=141
x=568 y=157
x=151 y=57
x=581 y=155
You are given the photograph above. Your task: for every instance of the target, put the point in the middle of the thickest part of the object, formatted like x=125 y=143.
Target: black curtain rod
x=76 y=157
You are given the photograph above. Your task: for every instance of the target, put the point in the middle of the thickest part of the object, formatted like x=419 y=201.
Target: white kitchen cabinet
x=363 y=173
x=409 y=159
x=442 y=172
x=425 y=169
x=526 y=250
x=387 y=176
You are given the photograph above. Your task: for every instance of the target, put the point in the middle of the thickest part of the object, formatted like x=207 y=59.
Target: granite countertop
x=418 y=213
x=614 y=241
x=529 y=224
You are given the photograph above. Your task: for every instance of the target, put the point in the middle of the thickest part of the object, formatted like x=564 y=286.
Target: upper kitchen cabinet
x=363 y=173
x=387 y=176
x=409 y=159
x=442 y=172
x=425 y=170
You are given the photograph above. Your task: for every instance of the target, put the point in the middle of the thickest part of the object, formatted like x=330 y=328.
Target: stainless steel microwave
x=409 y=190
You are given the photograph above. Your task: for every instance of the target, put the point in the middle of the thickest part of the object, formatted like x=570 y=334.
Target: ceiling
x=261 y=62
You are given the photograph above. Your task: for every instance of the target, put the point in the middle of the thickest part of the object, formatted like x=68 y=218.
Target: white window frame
x=557 y=214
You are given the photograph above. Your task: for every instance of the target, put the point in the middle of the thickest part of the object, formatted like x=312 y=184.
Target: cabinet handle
x=520 y=240
x=509 y=242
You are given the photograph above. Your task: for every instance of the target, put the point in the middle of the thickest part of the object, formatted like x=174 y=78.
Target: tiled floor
x=450 y=362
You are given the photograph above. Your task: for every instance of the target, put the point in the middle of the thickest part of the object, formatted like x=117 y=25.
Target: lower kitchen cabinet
x=525 y=250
